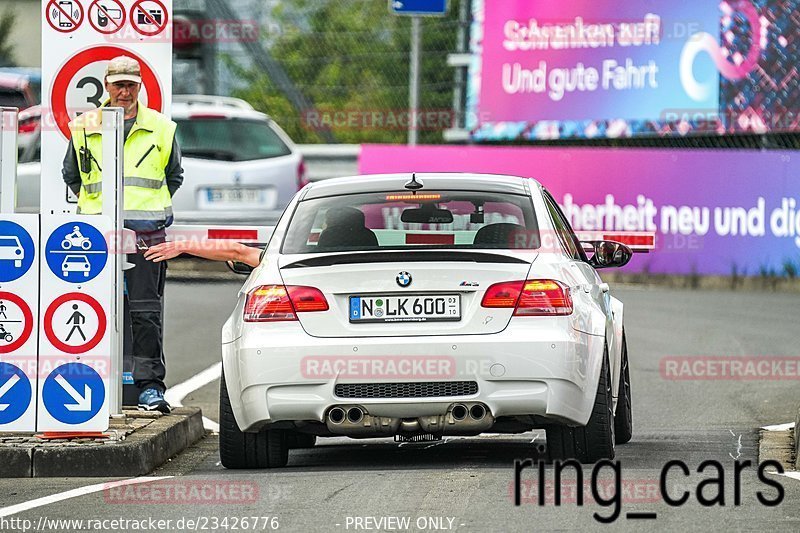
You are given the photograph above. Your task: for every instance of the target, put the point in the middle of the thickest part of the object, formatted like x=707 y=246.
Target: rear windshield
x=229 y=139
x=462 y=220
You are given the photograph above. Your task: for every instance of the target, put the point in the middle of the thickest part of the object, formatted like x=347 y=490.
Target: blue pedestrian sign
x=73 y=393
x=15 y=393
x=16 y=251
x=431 y=8
x=76 y=252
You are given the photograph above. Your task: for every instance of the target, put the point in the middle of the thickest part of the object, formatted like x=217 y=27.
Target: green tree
x=7 y=20
x=352 y=56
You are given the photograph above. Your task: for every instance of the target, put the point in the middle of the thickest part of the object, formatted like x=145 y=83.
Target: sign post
x=8 y=159
x=113 y=209
x=79 y=37
x=75 y=340
x=413 y=98
x=416 y=9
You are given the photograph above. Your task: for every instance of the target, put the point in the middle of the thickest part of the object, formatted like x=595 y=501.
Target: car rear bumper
x=537 y=366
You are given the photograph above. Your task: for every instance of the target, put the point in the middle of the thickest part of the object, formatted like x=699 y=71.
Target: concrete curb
x=796 y=435
x=140 y=453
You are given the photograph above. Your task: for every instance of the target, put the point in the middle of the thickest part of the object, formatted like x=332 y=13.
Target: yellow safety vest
x=148 y=205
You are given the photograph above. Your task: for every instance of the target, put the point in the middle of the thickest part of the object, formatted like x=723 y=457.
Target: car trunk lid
x=356 y=285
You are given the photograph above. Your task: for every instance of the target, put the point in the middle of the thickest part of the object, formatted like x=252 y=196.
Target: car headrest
x=498 y=234
x=345 y=216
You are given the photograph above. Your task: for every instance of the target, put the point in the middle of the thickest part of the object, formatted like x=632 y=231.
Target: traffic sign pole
x=113 y=207
x=416 y=9
x=8 y=159
x=413 y=98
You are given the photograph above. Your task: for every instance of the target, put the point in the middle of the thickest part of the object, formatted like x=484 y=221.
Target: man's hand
x=164 y=251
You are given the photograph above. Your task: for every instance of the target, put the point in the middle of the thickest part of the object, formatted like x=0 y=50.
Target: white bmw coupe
x=422 y=306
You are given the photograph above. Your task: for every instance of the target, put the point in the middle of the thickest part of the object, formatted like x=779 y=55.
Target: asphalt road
x=466 y=484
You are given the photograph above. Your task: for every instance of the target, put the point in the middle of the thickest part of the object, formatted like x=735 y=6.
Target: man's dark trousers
x=145 y=283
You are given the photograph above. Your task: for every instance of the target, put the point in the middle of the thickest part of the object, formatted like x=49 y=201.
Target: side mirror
x=609 y=254
x=239 y=268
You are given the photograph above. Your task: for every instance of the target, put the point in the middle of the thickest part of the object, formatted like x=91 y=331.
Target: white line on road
x=74 y=493
x=175 y=395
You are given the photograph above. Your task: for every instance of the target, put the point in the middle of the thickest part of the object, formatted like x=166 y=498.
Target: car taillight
x=534 y=297
x=302 y=180
x=307 y=299
x=28 y=126
x=272 y=303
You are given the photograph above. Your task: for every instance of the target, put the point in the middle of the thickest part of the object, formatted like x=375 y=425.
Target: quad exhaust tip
x=459 y=412
x=336 y=415
x=355 y=415
x=477 y=412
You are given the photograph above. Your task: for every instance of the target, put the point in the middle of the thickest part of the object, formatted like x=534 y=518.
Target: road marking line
x=779 y=427
x=74 y=493
x=175 y=395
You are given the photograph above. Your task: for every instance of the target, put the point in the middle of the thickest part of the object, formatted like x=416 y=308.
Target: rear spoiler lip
x=638 y=241
x=405 y=256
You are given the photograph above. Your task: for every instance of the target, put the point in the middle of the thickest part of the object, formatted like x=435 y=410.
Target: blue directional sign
x=418 y=7
x=15 y=393
x=76 y=252
x=16 y=251
x=73 y=393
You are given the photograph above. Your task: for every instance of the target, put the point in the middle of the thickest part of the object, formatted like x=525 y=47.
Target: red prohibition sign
x=150 y=20
x=58 y=98
x=27 y=318
x=79 y=297
x=61 y=10
x=102 y=12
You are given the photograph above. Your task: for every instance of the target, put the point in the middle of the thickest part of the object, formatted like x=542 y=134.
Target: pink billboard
x=605 y=68
x=714 y=212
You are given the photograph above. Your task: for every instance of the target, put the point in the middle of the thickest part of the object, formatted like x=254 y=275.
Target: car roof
x=431 y=181
x=186 y=106
x=12 y=80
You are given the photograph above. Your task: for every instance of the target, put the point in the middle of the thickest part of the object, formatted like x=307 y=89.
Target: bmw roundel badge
x=404 y=279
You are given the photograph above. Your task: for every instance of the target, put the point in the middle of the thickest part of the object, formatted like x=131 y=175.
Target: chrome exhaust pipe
x=477 y=412
x=355 y=415
x=459 y=412
x=336 y=415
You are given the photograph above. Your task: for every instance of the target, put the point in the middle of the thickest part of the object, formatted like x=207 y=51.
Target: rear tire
x=595 y=440
x=237 y=449
x=623 y=420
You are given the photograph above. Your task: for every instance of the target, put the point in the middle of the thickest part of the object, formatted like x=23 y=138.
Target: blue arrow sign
x=15 y=393
x=73 y=393
x=16 y=251
x=76 y=252
x=418 y=7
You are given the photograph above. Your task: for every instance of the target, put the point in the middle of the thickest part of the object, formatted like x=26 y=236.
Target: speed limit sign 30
x=73 y=69
x=79 y=87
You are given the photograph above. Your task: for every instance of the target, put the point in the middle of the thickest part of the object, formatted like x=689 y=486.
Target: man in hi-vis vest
x=152 y=173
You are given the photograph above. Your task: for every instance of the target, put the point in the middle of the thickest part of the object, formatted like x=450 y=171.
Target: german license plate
x=235 y=196
x=406 y=308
